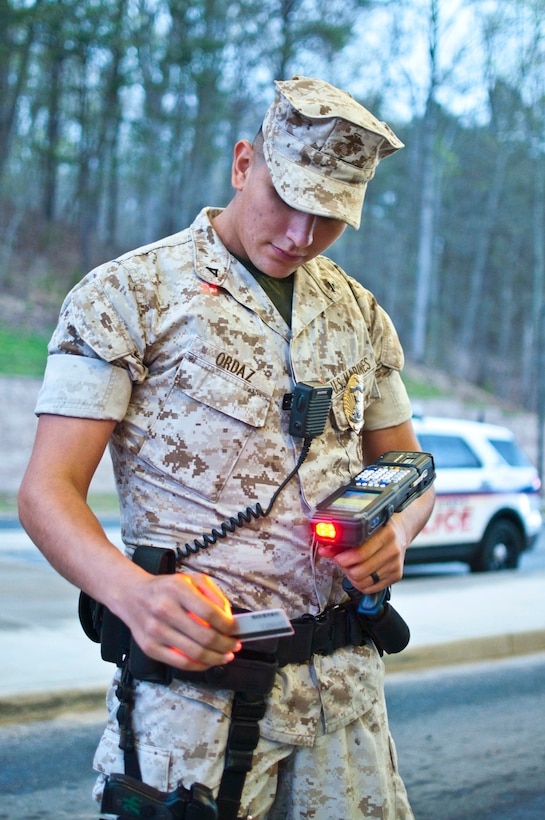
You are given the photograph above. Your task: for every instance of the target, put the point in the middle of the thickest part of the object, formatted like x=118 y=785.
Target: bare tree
x=17 y=33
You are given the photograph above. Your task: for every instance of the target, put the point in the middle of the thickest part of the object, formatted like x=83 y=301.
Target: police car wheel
x=500 y=547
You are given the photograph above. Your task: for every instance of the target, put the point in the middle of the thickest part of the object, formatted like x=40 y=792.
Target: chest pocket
x=204 y=424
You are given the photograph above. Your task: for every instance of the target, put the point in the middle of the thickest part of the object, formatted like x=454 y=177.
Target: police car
x=487 y=510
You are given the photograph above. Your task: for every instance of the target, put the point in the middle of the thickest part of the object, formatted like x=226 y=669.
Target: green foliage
x=22 y=354
x=421 y=388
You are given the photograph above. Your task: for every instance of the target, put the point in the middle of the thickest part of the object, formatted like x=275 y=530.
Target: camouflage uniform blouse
x=178 y=343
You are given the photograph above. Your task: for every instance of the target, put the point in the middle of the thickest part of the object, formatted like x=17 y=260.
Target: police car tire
x=503 y=534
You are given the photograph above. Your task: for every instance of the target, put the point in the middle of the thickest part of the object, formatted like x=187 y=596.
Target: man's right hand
x=183 y=620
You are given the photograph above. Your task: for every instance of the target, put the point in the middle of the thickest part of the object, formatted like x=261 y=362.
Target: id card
x=268 y=623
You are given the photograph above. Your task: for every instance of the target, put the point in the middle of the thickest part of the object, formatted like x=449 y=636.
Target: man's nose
x=301 y=229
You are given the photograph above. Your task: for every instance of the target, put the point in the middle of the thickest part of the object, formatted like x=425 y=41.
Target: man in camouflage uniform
x=179 y=355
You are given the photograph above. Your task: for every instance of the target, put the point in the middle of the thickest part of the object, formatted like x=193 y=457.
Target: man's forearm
x=65 y=529
x=414 y=518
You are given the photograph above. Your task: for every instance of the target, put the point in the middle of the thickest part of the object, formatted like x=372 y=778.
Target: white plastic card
x=268 y=623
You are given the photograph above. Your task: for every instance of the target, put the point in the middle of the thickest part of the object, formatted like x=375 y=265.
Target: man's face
x=275 y=237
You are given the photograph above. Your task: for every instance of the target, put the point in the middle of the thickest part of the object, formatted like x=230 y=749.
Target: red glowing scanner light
x=325 y=531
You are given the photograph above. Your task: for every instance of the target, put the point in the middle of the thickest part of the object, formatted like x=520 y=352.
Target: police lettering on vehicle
x=227 y=362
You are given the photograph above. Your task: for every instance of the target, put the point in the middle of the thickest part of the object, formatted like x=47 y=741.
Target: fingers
x=206 y=586
x=194 y=644
x=373 y=566
x=366 y=579
x=186 y=622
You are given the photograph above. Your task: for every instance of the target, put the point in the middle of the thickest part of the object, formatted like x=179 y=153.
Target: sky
x=392 y=48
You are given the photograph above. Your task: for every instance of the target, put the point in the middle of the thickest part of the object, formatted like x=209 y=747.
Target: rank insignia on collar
x=353 y=402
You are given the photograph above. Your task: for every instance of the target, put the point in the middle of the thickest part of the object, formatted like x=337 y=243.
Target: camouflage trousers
x=346 y=774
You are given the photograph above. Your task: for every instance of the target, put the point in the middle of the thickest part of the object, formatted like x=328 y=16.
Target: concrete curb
x=491 y=647
x=48 y=705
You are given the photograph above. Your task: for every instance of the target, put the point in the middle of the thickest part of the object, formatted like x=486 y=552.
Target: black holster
x=255 y=665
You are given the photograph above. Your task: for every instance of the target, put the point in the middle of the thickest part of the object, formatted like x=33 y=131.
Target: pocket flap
x=221 y=389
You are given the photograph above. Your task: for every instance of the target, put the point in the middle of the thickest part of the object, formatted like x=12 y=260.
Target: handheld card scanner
x=351 y=514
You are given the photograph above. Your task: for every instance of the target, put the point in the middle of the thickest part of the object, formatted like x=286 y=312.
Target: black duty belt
x=257 y=662
x=322 y=634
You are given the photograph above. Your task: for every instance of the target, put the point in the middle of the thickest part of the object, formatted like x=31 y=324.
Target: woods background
x=117 y=120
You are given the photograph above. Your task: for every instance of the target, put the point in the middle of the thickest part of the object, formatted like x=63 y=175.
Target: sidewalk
x=49 y=664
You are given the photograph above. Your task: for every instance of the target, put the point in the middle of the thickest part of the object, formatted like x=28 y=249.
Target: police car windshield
x=510 y=452
x=449 y=451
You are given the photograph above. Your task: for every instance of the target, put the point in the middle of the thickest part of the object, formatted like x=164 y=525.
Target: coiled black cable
x=241 y=518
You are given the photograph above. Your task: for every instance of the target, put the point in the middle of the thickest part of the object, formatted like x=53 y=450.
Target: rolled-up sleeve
x=96 y=351
x=84 y=387
x=392 y=408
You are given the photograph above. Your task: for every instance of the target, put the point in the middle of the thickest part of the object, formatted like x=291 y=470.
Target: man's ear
x=243 y=157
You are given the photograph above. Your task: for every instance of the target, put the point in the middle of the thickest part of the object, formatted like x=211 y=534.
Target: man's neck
x=279 y=291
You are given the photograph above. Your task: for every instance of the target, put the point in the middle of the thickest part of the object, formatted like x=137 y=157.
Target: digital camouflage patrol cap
x=322 y=148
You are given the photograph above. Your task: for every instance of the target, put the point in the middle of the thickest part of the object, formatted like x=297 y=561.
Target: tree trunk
x=475 y=297
x=426 y=234
x=14 y=62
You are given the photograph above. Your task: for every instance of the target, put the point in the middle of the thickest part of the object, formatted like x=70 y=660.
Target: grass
x=8 y=504
x=104 y=505
x=421 y=389
x=22 y=353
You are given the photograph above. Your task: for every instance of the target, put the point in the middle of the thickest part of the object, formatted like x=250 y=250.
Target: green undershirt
x=279 y=291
